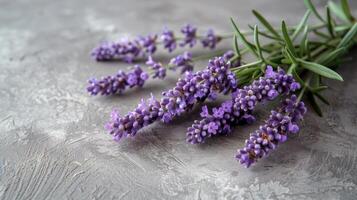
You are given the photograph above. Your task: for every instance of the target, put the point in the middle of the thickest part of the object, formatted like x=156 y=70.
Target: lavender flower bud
x=160 y=71
x=148 y=43
x=183 y=61
x=210 y=40
x=281 y=122
x=129 y=50
x=168 y=39
x=105 y=51
x=230 y=54
x=117 y=83
x=243 y=102
x=190 y=35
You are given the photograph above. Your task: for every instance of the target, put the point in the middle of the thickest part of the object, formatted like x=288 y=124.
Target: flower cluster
x=281 y=122
x=146 y=113
x=159 y=70
x=183 y=61
x=219 y=122
x=197 y=87
x=118 y=83
x=168 y=39
x=125 y=50
x=148 y=43
x=210 y=40
x=189 y=90
x=240 y=108
x=129 y=50
x=190 y=35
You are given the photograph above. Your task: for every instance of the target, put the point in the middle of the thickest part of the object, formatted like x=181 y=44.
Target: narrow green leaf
x=304 y=50
x=337 y=10
x=265 y=34
x=236 y=47
x=347 y=40
x=314 y=81
x=267 y=25
x=297 y=77
x=301 y=25
x=308 y=52
x=346 y=10
x=314 y=104
x=247 y=71
x=342 y=28
x=320 y=69
x=321 y=34
x=287 y=39
x=322 y=43
x=285 y=61
x=330 y=23
x=332 y=56
x=257 y=44
x=322 y=98
x=311 y=7
x=248 y=65
x=244 y=40
x=319 y=89
x=290 y=55
x=256 y=74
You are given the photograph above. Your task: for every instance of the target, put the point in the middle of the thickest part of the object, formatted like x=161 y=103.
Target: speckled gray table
x=52 y=141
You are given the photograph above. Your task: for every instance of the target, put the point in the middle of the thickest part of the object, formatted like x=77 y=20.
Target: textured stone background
x=52 y=141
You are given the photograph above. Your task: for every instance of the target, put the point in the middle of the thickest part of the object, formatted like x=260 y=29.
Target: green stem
x=302 y=92
x=247 y=65
x=210 y=55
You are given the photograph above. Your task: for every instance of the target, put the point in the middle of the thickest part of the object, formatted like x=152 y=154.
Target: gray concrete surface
x=52 y=141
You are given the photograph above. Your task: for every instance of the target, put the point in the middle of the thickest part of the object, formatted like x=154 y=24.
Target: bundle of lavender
x=292 y=63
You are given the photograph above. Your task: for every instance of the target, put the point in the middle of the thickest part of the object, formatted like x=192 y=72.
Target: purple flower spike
x=148 y=43
x=190 y=35
x=118 y=83
x=280 y=124
x=129 y=50
x=168 y=39
x=210 y=40
x=197 y=87
x=125 y=50
x=106 y=51
x=160 y=71
x=145 y=114
x=189 y=90
x=240 y=108
x=183 y=61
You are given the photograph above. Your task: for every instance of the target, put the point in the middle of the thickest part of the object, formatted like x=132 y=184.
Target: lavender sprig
x=280 y=124
x=124 y=50
x=193 y=88
x=240 y=108
x=144 y=46
x=118 y=83
x=289 y=47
